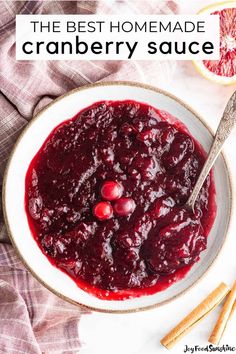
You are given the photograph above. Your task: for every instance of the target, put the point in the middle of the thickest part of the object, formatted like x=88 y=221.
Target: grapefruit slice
x=222 y=71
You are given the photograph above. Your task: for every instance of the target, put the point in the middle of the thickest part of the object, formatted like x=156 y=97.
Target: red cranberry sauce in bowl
x=105 y=199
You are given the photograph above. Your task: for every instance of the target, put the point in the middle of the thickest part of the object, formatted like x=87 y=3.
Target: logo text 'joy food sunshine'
x=209 y=349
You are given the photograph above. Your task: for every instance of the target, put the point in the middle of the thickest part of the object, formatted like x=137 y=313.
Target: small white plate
x=30 y=142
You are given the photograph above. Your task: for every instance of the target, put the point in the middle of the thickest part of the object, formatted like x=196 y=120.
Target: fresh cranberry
x=103 y=211
x=124 y=206
x=111 y=190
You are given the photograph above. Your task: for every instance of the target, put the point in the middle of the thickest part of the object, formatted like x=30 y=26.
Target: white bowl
x=30 y=142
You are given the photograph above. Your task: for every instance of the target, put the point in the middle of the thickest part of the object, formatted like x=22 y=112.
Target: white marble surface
x=141 y=332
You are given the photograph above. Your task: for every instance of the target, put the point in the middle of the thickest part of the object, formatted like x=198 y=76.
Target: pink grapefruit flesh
x=226 y=65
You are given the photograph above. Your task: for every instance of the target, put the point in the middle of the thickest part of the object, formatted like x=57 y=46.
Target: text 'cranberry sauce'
x=105 y=195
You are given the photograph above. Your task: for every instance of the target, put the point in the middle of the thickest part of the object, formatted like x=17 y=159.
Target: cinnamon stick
x=195 y=316
x=233 y=310
x=225 y=314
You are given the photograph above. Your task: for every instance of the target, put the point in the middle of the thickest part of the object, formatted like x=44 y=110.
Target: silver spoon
x=224 y=129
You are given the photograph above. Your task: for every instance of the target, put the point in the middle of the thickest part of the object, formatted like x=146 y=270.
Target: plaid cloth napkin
x=32 y=320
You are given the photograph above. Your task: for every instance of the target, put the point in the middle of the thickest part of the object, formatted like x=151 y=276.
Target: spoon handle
x=224 y=129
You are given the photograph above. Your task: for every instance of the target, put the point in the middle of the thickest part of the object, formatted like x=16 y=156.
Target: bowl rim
x=37 y=116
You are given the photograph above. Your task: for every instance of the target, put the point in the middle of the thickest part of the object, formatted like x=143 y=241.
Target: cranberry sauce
x=105 y=194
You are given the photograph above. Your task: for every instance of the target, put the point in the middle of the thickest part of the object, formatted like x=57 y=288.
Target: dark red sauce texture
x=152 y=155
